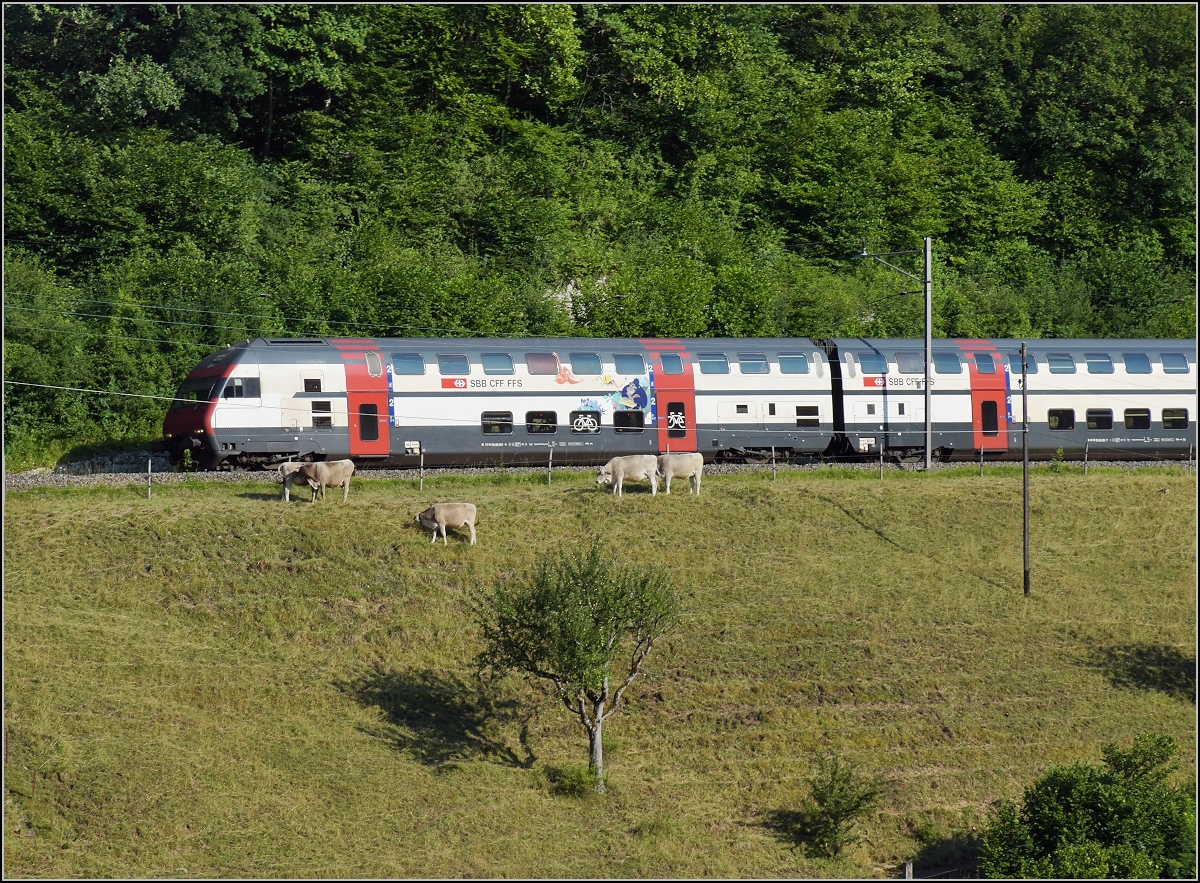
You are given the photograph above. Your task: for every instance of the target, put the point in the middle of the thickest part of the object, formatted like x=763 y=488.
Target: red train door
x=989 y=395
x=674 y=395
x=366 y=397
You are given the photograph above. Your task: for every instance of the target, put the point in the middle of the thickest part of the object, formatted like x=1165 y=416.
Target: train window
x=1099 y=363
x=713 y=363
x=407 y=363
x=497 y=363
x=743 y=409
x=1060 y=363
x=672 y=363
x=771 y=409
x=793 y=363
x=322 y=415
x=1099 y=418
x=807 y=416
x=374 y=364
x=629 y=363
x=946 y=363
x=368 y=422
x=585 y=421
x=453 y=365
x=541 y=421
x=870 y=409
x=1175 y=418
x=192 y=391
x=628 y=421
x=753 y=363
x=1061 y=418
x=1137 y=363
x=1137 y=418
x=1174 y=363
x=988 y=418
x=242 y=388
x=677 y=420
x=496 y=422
x=872 y=363
x=1014 y=363
x=585 y=363
x=909 y=362
x=541 y=363
x=312 y=384
x=984 y=363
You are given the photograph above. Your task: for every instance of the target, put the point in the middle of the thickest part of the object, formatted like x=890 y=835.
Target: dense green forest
x=178 y=177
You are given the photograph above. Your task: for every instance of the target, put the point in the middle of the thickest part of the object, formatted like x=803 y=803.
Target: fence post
x=881 y=462
x=981 y=461
x=908 y=871
x=1085 y=453
x=772 y=462
x=422 y=487
x=149 y=469
x=550 y=464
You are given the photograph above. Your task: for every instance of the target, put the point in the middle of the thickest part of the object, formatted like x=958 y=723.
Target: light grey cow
x=329 y=473
x=635 y=467
x=286 y=471
x=689 y=466
x=439 y=516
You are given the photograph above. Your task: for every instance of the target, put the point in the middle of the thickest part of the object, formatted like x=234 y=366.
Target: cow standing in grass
x=689 y=466
x=439 y=516
x=636 y=467
x=329 y=473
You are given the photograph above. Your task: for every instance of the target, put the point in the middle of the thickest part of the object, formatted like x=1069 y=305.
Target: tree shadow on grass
x=792 y=825
x=953 y=857
x=1149 y=667
x=438 y=717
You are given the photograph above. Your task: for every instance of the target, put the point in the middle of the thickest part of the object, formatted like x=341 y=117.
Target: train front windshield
x=196 y=390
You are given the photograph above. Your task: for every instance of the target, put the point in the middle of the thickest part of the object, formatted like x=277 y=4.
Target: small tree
x=840 y=797
x=1082 y=821
x=569 y=622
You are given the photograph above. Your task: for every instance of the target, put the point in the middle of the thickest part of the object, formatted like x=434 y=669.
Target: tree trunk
x=596 y=764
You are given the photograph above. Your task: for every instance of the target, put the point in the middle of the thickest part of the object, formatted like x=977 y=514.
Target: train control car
x=445 y=402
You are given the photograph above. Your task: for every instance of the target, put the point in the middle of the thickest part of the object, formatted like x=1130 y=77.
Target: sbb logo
x=873 y=381
x=456 y=383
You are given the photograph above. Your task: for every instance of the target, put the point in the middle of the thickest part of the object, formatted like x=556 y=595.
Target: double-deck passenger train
x=451 y=401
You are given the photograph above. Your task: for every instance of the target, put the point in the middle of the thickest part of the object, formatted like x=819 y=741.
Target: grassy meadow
x=214 y=683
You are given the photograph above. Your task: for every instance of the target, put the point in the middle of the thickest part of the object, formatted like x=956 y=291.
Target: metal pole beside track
x=928 y=351
x=550 y=463
x=422 y=487
x=1085 y=453
x=772 y=462
x=1025 y=458
x=149 y=469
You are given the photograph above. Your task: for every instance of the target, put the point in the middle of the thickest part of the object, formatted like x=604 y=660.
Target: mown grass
x=214 y=683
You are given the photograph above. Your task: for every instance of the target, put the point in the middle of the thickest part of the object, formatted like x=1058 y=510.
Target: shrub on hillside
x=1122 y=820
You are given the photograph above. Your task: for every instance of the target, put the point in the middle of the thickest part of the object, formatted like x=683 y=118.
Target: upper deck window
x=407 y=363
x=1137 y=363
x=872 y=363
x=1014 y=363
x=1174 y=363
x=672 y=363
x=497 y=363
x=629 y=363
x=1060 y=363
x=242 y=388
x=753 y=363
x=585 y=363
x=946 y=363
x=910 y=362
x=1099 y=363
x=793 y=363
x=984 y=363
x=713 y=363
x=453 y=365
x=541 y=363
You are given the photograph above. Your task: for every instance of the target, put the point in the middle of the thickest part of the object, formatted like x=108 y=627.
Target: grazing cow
x=331 y=473
x=636 y=467
x=439 y=516
x=287 y=472
x=690 y=466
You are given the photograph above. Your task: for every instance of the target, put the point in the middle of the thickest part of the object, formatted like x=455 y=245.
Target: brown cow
x=331 y=473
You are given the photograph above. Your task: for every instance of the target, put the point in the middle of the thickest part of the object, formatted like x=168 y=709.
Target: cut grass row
x=216 y=681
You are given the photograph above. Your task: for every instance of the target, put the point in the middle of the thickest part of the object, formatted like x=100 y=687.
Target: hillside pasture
x=214 y=683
